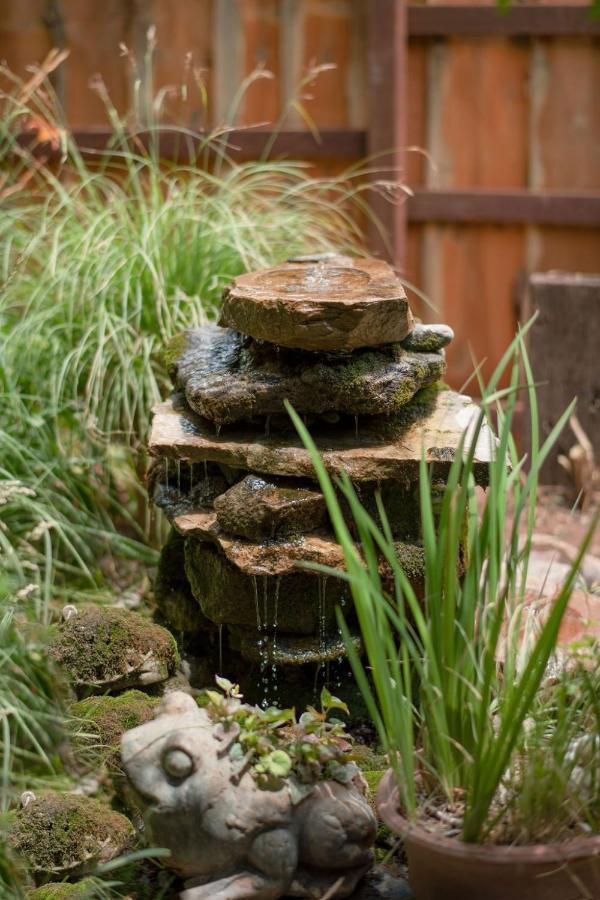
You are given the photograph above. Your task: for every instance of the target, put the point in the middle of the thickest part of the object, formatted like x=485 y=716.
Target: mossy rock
x=80 y=890
x=107 y=649
x=228 y=596
x=175 y=602
x=59 y=835
x=105 y=719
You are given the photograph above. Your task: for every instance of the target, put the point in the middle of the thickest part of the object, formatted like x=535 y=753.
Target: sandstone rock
x=384 y=449
x=335 y=304
x=428 y=338
x=255 y=509
x=283 y=650
x=227 y=377
x=228 y=596
x=107 y=649
x=283 y=557
x=59 y=835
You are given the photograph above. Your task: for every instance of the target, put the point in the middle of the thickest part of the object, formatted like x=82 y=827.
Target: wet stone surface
x=176 y=605
x=227 y=377
x=283 y=650
x=255 y=508
x=292 y=603
x=332 y=304
x=374 y=449
x=177 y=486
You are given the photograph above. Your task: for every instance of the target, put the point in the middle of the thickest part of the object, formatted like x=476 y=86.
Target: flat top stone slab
x=434 y=422
x=334 y=304
x=227 y=377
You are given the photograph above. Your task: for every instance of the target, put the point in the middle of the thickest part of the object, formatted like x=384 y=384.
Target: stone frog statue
x=229 y=838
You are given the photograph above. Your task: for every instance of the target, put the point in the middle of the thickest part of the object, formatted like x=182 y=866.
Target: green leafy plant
x=274 y=745
x=449 y=712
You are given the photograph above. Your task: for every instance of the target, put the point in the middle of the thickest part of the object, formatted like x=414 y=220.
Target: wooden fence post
x=563 y=348
x=386 y=137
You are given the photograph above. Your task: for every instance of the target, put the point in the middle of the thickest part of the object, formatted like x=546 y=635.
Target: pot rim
x=387 y=801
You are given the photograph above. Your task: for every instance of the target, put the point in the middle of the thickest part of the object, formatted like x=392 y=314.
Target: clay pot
x=446 y=867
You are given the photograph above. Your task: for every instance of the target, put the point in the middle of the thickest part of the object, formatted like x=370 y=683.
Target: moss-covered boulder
x=99 y=723
x=59 y=835
x=80 y=890
x=107 y=649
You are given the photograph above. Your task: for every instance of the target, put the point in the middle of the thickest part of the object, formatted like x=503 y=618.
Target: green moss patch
x=65 y=834
x=103 y=720
x=65 y=891
x=104 y=649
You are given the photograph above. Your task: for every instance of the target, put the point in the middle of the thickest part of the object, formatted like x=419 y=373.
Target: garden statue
x=234 y=832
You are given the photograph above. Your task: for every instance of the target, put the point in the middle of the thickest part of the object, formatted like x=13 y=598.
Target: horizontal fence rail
x=519 y=21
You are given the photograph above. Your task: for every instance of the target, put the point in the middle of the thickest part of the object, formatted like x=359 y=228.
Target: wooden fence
x=506 y=106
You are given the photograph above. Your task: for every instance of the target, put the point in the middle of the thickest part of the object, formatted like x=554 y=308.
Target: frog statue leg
x=272 y=862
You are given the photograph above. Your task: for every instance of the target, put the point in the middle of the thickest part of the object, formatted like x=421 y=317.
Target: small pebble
x=428 y=338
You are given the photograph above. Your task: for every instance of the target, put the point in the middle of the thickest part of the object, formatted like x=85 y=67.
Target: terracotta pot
x=442 y=868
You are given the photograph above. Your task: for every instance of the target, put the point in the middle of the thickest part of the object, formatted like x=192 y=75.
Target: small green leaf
x=277 y=763
x=214 y=697
x=225 y=684
x=236 y=751
x=328 y=701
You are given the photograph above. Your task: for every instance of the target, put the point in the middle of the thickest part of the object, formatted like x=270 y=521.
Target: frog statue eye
x=177 y=763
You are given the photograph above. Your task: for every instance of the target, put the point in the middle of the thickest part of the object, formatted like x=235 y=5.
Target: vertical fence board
x=471 y=282
x=94 y=34
x=477 y=136
x=260 y=28
x=24 y=38
x=565 y=145
x=183 y=57
x=328 y=40
x=416 y=109
x=228 y=59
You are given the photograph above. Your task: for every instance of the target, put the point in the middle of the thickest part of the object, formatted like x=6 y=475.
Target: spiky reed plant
x=448 y=714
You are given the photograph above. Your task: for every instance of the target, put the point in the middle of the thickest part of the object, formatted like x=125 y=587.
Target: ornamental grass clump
x=104 y=259
x=467 y=705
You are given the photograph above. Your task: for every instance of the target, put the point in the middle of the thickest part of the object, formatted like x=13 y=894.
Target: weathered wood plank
x=563 y=345
x=560 y=208
x=386 y=27
x=519 y=21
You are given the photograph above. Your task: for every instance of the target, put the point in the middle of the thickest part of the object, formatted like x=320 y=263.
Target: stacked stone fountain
x=335 y=336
